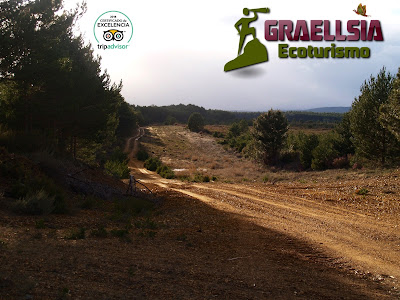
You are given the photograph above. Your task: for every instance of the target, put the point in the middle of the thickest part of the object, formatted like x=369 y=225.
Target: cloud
x=179 y=49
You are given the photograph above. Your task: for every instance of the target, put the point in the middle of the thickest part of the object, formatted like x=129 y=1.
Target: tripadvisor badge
x=254 y=52
x=113 y=30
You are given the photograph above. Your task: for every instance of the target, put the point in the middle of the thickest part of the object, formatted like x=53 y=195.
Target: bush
x=303 y=144
x=325 y=152
x=289 y=157
x=118 y=155
x=341 y=162
x=362 y=192
x=165 y=172
x=117 y=169
x=37 y=203
x=218 y=134
x=196 y=122
x=201 y=178
x=152 y=163
x=170 y=120
x=29 y=182
x=142 y=155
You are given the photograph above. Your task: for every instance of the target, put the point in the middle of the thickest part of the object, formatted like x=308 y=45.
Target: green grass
x=362 y=192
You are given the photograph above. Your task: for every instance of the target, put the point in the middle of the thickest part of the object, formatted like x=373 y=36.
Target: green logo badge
x=113 y=30
x=254 y=52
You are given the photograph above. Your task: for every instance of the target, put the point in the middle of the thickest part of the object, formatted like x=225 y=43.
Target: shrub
x=289 y=156
x=340 y=162
x=218 y=134
x=152 y=163
x=29 y=182
x=304 y=144
x=170 y=120
x=118 y=155
x=117 y=169
x=165 y=172
x=196 y=122
x=37 y=203
x=325 y=152
x=201 y=178
x=362 y=192
x=142 y=155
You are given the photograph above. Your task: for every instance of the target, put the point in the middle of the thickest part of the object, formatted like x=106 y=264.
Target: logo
x=254 y=52
x=302 y=31
x=113 y=30
x=113 y=34
x=361 y=10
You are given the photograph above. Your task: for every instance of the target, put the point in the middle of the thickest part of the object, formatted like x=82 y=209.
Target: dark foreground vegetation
x=54 y=96
x=63 y=123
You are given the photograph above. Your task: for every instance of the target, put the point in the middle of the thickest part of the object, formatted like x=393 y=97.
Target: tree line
x=53 y=92
x=369 y=134
x=180 y=113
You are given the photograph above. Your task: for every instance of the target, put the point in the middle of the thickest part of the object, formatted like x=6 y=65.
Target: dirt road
x=337 y=236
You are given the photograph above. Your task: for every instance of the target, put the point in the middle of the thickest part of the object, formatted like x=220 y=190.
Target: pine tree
x=371 y=140
x=196 y=122
x=269 y=130
x=60 y=89
x=390 y=112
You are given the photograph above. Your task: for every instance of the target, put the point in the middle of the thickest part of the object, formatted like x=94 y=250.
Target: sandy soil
x=358 y=233
x=314 y=239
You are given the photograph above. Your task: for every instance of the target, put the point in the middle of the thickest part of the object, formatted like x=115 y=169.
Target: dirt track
x=336 y=236
x=248 y=240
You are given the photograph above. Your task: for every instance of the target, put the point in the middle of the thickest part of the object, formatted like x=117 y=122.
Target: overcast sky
x=179 y=49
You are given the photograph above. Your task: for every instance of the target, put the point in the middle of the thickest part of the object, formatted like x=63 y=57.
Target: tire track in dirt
x=343 y=235
x=348 y=234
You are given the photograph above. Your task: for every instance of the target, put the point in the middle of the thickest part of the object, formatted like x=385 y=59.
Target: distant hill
x=338 y=109
x=180 y=114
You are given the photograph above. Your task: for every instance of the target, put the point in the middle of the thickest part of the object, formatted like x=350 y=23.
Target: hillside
x=172 y=114
x=338 y=109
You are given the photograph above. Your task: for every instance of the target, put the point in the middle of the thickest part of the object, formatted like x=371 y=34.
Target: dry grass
x=198 y=153
x=201 y=154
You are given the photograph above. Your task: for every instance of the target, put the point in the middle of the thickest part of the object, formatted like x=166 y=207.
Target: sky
x=179 y=48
